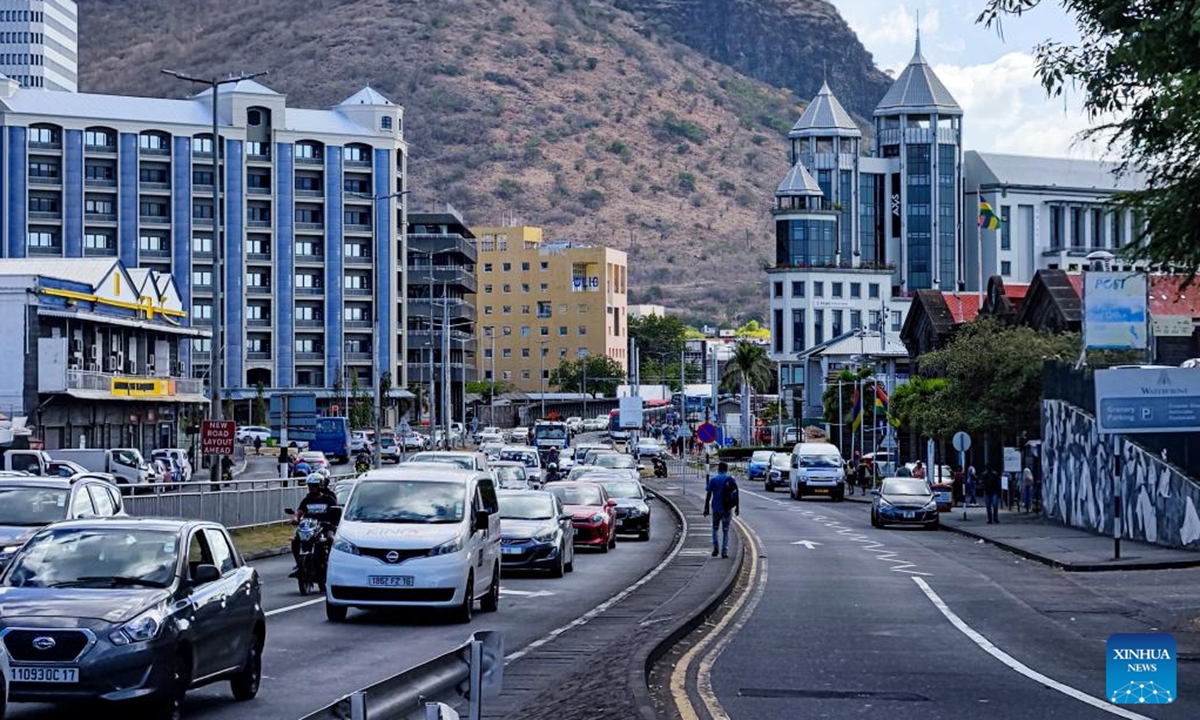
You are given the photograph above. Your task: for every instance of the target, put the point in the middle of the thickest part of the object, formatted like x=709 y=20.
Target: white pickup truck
x=125 y=464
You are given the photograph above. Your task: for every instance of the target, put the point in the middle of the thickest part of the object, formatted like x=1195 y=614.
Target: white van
x=415 y=536
x=817 y=469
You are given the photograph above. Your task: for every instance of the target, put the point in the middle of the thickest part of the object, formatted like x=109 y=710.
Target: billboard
x=631 y=413
x=1153 y=400
x=1114 y=311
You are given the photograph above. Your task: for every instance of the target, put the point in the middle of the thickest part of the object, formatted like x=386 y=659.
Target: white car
x=360 y=442
x=596 y=424
x=575 y=424
x=465 y=459
x=247 y=433
x=527 y=455
x=411 y=537
x=179 y=457
x=510 y=475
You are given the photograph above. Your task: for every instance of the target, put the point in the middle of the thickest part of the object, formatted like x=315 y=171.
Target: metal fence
x=236 y=504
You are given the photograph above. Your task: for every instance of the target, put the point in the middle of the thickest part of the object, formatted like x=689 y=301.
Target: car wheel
x=245 y=684
x=792 y=492
x=604 y=547
x=935 y=525
x=560 y=567
x=169 y=704
x=768 y=487
x=612 y=541
x=644 y=535
x=491 y=601
x=874 y=520
x=466 y=611
x=570 y=566
x=335 y=613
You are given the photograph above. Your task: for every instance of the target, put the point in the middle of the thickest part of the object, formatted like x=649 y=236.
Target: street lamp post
x=216 y=361
x=542 y=372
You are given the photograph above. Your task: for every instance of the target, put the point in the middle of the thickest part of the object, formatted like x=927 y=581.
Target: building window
x=44 y=204
x=582 y=329
x=544 y=287
x=543 y=265
x=525 y=331
x=202 y=145
x=43 y=135
x=487 y=289
x=98 y=241
x=562 y=330
x=506 y=288
x=797 y=330
x=43 y=169
x=1005 y=268
x=254 y=118
x=308 y=151
x=1077 y=216
x=487 y=267
x=818 y=326
x=897 y=320
x=202 y=277
x=818 y=288
x=873 y=318
x=545 y=309
x=385 y=122
x=524 y=267
x=798 y=288
x=487 y=309
x=544 y=331
x=524 y=287
x=506 y=309
x=838 y=317
x=506 y=352
x=202 y=311
x=1005 y=228
x=873 y=290
x=41 y=239
x=856 y=319
x=355 y=153
x=526 y=310
x=856 y=290
x=97 y=139
x=1056 y=228
x=506 y=331
x=308 y=280
x=777 y=289
x=525 y=352
x=506 y=267
x=836 y=288
x=1118 y=228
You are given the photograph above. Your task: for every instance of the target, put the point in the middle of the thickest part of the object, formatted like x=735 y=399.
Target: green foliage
x=506 y=24
x=591 y=63
x=670 y=127
x=484 y=388
x=687 y=182
x=601 y=373
x=508 y=189
x=1137 y=69
x=259 y=411
x=592 y=199
x=616 y=147
x=749 y=365
x=753 y=330
x=658 y=335
x=726 y=187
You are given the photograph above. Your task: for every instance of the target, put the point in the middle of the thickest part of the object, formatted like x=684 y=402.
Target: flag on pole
x=856 y=411
x=988 y=219
x=881 y=403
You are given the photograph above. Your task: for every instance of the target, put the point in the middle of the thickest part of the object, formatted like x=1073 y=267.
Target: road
x=309 y=662
x=848 y=624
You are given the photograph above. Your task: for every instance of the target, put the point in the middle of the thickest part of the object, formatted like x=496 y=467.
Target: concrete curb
x=648 y=654
x=1074 y=567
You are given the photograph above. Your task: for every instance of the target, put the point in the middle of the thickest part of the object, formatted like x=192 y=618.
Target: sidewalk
x=1070 y=549
x=597 y=670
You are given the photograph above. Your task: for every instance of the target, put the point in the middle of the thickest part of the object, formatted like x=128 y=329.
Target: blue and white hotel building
x=310 y=257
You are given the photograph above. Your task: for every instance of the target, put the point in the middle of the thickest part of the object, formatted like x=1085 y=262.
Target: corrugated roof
x=92 y=106
x=825 y=116
x=798 y=182
x=89 y=271
x=962 y=306
x=1167 y=299
x=366 y=96
x=1065 y=173
x=918 y=89
x=251 y=87
x=856 y=342
x=327 y=122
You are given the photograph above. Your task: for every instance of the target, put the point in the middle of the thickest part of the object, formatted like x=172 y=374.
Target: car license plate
x=620 y=523
x=821 y=491
x=390 y=580
x=45 y=674
x=909 y=515
x=510 y=550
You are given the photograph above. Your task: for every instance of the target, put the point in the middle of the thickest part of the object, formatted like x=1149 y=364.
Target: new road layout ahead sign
x=217 y=437
x=1136 y=400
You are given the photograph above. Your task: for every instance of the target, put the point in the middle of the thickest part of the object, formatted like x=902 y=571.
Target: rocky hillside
x=612 y=121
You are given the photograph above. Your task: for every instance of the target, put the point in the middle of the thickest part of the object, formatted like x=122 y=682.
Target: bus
x=332 y=437
x=653 y=412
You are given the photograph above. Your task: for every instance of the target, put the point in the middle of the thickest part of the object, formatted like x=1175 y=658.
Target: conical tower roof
x=918 y=90
x=825 y=116
x=798 y=183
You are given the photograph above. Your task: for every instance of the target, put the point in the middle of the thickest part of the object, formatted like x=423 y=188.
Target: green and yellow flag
x=988 y=219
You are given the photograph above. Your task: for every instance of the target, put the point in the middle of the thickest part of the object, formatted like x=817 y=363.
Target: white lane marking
x=604 y=606
x=525 y=593
x=811 y=545
x=1015 y=664
x=297 y=606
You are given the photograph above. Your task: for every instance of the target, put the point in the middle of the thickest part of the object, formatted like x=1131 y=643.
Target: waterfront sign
x=1137 y=400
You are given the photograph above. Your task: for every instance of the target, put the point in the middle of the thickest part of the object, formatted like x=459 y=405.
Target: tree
x=260 y=405
x=838 y=401
x=1138 y=70
x=749 y=368
x=484 y=388
x=603 y=375
x=360 y=412
x=752 y=330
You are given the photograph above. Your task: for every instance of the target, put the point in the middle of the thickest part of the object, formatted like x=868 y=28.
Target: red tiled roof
x=1016 y=292
x=963 y=306
x=1077 y=283
x=1166 y=298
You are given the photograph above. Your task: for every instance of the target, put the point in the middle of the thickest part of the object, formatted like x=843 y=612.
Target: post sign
x=1136 y=400
x=1114 y=310
x=217 y=437
x=630 y=412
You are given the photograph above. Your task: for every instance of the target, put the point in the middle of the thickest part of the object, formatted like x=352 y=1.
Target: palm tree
x=750 y=368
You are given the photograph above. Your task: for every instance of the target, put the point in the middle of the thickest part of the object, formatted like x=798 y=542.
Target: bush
x=671 y=127
x=506 y=23
x=591 y=63
x=687 y=182
x=725 y=187
x=508 y=189
x=592 y=199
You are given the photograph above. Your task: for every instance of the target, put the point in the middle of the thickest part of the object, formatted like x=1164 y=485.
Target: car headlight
x=9 y=549
x=598 y=518
x=931 y=505
x=142 y=628
x=450 y=546
x=548 y=535
x=883 y=502
x=346 y=546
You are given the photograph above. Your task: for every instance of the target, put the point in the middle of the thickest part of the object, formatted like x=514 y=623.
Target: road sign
x=706 y=433
x=630 y=412
x=1136 y=400
x=889 y=440
x=217 y=436
x=961 y=441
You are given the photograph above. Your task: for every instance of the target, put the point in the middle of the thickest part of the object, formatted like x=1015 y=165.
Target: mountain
x=653 y=126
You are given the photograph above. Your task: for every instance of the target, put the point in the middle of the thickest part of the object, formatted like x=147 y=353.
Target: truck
x=125 y=464
x=16 y=453
x=332 y=437
x=551 y=434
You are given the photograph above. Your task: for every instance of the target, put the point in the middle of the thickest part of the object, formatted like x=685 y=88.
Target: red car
x=593 y=512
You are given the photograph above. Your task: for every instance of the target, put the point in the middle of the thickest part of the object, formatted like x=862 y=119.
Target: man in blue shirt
x=721 y=495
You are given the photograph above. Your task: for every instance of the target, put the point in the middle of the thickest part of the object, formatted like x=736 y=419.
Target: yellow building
x=540 y=303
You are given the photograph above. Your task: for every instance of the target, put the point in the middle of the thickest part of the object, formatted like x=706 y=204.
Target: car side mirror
x=565 y=516
x=611 y=503
x=204 y=574
x=875 y=492
x=482 y=520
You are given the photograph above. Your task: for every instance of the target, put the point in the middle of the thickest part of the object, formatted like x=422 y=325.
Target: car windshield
x=781 y=460
x=761 y=456
x=510 y=472
x=33 y=507
x=576 y=495
x=550 y=432
x=459 y=462
x=406 y=501
x=311 y=457
x=96 y=557
x=821 y=461
x=905 y=487
x=343 y=492
x=387 y=442
x=525 y=507
x=529 y=458
x=623 y=462
x=622 y=488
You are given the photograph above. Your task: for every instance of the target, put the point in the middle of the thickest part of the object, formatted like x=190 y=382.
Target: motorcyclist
x=552 y=474
x=301 y=468
x=316 y=504
x=552 y=456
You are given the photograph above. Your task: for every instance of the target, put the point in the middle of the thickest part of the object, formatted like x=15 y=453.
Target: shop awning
x=125 y=322
x=182 y=398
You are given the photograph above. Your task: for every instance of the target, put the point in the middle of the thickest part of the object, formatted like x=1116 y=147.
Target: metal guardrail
x=235 y=504
x=461 y=677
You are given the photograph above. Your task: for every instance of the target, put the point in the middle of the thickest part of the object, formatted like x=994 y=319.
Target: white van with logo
x=417 y=536
x=817 y=469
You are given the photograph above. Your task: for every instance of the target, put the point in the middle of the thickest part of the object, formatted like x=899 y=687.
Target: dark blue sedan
x=760 y=463
x=904 y=501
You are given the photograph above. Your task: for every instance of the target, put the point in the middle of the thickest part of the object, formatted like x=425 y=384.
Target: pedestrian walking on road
x=257 y=445
x=1027 y=488
x=721 y=496
x=991 y=491
x=284 y=461
x=919 y=470
x=970 y=484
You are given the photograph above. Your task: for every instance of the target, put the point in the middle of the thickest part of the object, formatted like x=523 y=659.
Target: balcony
x=453 y=275
x=359 y=291
x=86 y=380
x=358 y=357
x=255 y=190
x=161 y=151
x=356 y=163
x=258 y=224
x=359 y=260
x=300 y=160
x=359 y=325
x=34 y=145
x=311 y=226
x=258 y=322
x=310 y=323
x=258 y=356
x=309 y=193
x=203 y=222
x=310 y=356
x=98 y=217
x=440 y=243
x=100 y=182
x=50 y=250
x=310 y=291
x=100 y=149
x=420 y=307
x=44 y=180
x=459 y=340
x=259 y=157
x=100 y=252
x=258 y=257
x=357 y=228
x=258 y=290
x=145 y=185
x=161 y=220
x=163 y=254
x=311 y=259
x=39 y=215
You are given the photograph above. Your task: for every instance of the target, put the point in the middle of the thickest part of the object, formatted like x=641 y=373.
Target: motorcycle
x=313 y=536
x=660 y=467
x=362 y=463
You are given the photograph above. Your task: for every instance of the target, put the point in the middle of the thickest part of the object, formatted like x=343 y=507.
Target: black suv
x=122 y=609
x=29 y=503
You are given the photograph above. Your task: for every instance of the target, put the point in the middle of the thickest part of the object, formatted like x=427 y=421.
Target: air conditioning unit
x=93 y=355
x=149 y=364
x=77 y=345
x=112 y=364
x=179 y=369
x=132 y=369
x=75 y=362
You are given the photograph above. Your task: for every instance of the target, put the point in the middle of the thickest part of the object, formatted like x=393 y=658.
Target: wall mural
x=1161 y=505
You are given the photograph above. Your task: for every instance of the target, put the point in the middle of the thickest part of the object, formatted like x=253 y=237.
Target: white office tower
x=39 y=43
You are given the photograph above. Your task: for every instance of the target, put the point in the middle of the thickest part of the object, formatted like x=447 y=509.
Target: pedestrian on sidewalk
x=1027 y=488
x=991 y=491
x=970 y=483
x=721 y=496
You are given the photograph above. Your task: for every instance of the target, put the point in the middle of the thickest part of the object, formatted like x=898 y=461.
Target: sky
x=1005 y=107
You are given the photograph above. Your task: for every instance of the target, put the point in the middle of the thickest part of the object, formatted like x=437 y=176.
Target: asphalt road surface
x=310 y=663
x=849 y=625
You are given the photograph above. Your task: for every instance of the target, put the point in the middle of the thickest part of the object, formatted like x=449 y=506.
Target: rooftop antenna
x=918 y=31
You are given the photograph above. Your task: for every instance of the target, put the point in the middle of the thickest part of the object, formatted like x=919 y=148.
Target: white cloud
x=897 y=27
